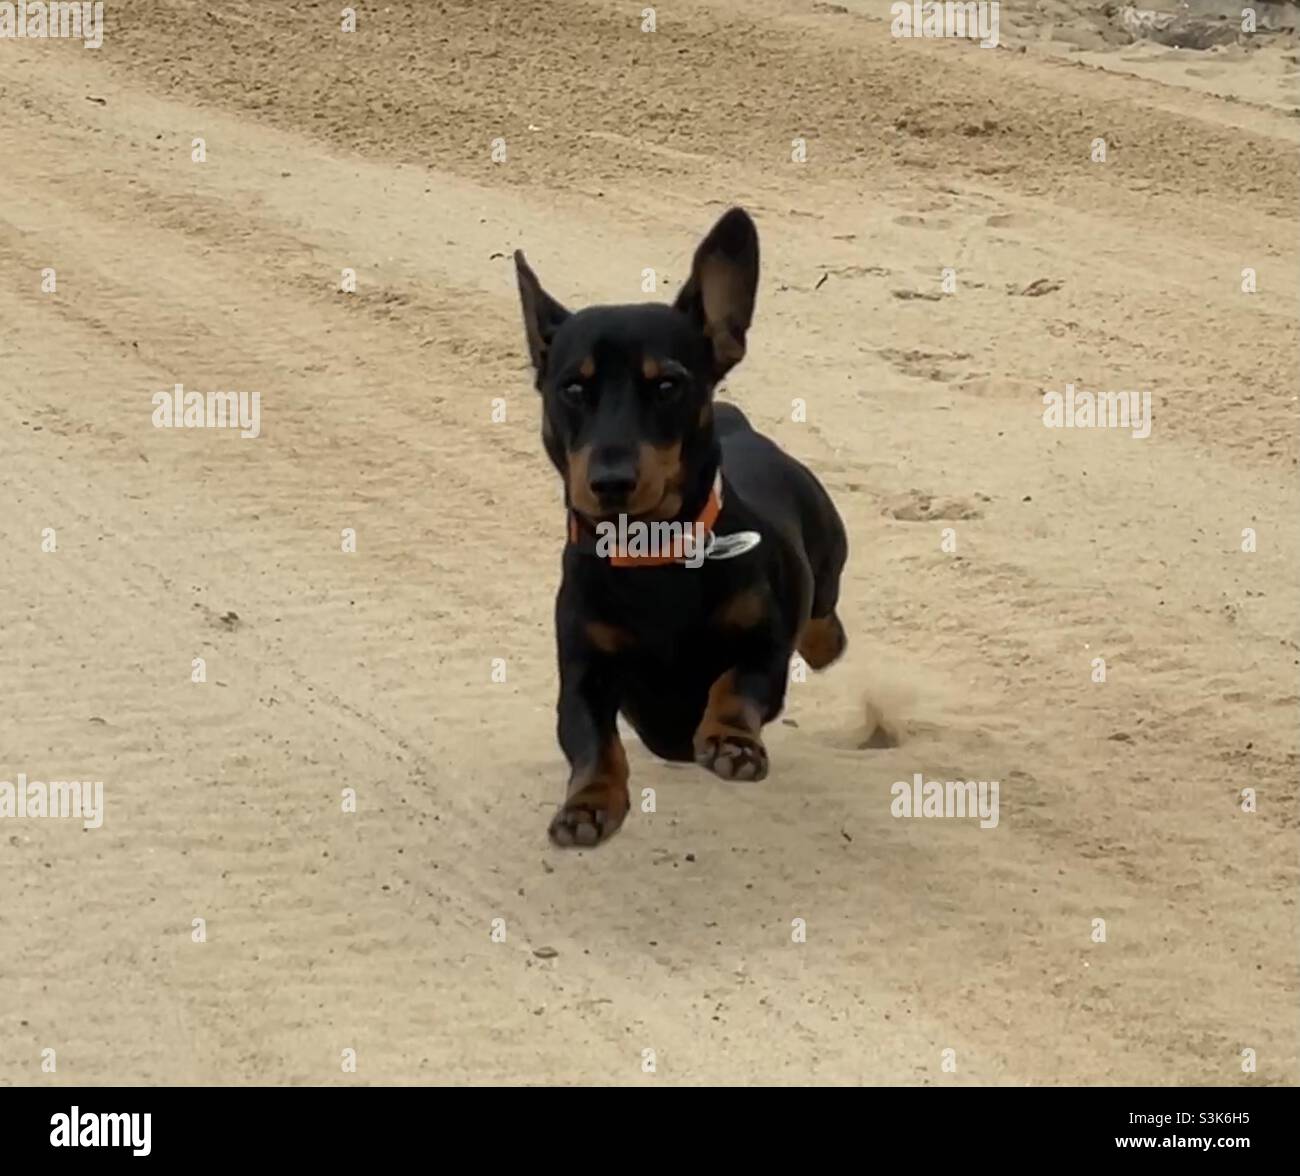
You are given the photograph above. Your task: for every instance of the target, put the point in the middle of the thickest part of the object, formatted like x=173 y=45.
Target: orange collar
x=675 y=540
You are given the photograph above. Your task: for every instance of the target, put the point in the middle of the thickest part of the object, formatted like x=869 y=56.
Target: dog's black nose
x=612 y=478
x=613 y=486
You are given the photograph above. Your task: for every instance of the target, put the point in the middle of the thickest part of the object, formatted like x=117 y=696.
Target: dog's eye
x=669 y=386
x=573 y=392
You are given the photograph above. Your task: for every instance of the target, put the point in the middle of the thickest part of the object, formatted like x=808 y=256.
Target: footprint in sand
x=917 y=507
x=940 y=366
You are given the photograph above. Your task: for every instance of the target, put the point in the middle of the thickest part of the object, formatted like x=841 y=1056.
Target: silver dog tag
x=730 y=546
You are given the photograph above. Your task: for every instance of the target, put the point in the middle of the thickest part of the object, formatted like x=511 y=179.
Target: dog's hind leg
x=822 y=638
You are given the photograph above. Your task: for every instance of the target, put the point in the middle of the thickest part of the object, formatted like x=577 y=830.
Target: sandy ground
x=328 y=931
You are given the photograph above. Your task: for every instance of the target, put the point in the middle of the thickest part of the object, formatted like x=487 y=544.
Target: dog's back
x=789 y=497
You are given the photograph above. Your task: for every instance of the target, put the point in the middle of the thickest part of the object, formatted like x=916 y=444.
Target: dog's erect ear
x=542 y=314
x=719 y=295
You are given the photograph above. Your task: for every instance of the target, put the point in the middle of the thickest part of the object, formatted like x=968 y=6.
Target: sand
x=434 y=931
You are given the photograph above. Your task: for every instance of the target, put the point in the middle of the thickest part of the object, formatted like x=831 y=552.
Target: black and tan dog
x=691 y=643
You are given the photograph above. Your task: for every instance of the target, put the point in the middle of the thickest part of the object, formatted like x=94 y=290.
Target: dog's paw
x=588 y=818
x=732 y=756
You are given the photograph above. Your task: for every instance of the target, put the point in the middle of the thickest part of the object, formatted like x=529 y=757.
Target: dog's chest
x=670 y=620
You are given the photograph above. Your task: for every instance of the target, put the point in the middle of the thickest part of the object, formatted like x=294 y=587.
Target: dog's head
x=627 y=391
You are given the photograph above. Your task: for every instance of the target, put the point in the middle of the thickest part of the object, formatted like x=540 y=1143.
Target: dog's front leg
x=729 y=739
x=596 y=800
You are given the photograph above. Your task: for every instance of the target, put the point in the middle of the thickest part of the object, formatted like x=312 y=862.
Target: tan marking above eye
x=650 y=368
x=587 y=368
